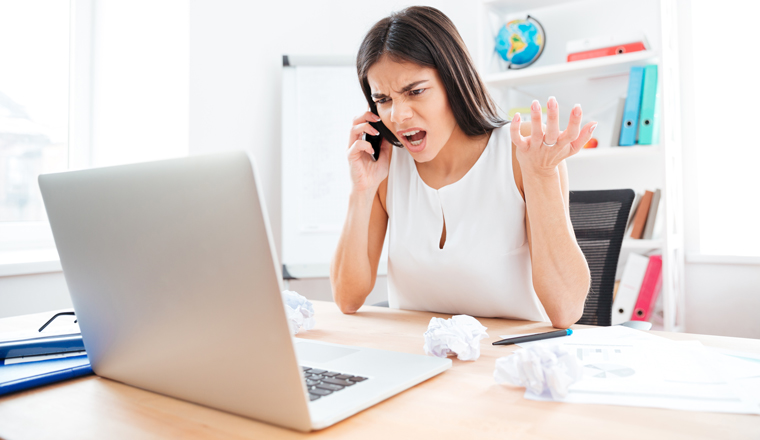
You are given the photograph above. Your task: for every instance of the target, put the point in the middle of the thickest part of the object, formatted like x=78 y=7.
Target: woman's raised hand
x=366 y=173
x=544 y=149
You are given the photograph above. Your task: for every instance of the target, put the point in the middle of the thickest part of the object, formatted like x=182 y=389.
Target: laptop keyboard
x=321 y=383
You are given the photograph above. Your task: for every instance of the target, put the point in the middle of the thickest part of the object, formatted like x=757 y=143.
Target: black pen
x=537 y=337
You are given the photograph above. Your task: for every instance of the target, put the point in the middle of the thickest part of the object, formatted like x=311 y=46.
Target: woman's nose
x=400 y=112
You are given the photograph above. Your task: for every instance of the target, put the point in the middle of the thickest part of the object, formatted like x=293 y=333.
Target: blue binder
x=41 y=346
x=18 y=377
x=632 y=107
x=648 y=109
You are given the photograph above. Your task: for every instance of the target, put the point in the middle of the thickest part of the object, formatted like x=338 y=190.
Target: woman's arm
x=353 y=269
x=560 y=272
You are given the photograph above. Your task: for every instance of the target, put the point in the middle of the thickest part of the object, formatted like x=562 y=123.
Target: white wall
x=139 y=81
x=723 y=299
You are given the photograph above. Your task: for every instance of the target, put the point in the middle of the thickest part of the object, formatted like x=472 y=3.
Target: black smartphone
x=376 y=141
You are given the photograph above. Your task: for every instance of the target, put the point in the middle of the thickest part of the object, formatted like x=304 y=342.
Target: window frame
x=25 y=236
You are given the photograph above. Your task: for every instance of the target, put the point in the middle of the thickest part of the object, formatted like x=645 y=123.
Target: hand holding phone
x=368 y=157
x=375 y=141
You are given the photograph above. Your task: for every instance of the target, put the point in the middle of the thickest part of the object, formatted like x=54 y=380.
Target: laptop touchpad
x=307 y=352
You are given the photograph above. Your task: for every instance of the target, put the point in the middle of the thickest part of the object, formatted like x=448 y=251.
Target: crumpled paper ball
x=538 y=368
x=461 y=335
x=300 y=311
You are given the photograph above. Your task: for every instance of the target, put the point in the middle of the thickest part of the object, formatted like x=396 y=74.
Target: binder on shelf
x=653 y=208
x=618 y=122
x=596 y=47
x=606 y=51
x=632 y=107
x=650 y=289
x=641 y=214
x=628 y=290
x=648 y=102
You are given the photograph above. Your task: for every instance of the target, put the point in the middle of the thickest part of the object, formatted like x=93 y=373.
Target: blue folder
x=40 y=346
x=18 y=377
x=632 y=107
x=648 y=106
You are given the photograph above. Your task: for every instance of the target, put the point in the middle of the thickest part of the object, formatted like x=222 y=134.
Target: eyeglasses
x=55 y=316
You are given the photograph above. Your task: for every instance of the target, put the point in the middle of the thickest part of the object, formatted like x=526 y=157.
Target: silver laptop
x=174 y=278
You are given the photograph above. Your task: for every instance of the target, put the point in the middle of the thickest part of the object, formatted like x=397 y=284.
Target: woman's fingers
x=536 y=128
x=552 y=122
x=573 y=125
x=358 y=130
x=583 y=137
x=361 y=125
x=366 y=116
x=514 y=132
x=357 y=150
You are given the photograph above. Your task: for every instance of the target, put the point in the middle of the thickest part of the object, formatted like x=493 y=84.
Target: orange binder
x=607 y=51
x=641 y=215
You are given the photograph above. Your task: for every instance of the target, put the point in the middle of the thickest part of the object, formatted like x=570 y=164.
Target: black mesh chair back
x=599 y=219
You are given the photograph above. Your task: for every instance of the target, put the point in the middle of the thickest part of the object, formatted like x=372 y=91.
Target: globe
x=520 y=42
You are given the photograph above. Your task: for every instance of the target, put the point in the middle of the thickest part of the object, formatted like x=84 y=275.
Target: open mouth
x=415 y=137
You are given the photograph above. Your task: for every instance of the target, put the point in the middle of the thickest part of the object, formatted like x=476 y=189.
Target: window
x=85 y=83
x=34 y=101
x=726 y=93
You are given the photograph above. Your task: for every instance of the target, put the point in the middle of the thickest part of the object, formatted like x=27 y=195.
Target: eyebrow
x=406 y=88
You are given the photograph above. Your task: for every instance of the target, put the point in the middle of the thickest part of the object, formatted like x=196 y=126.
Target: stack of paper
x=623 y=366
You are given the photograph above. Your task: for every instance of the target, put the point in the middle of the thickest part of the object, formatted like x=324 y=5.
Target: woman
x=477 y=211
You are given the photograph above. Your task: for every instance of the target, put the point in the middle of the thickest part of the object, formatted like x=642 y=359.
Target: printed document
x=623 y=366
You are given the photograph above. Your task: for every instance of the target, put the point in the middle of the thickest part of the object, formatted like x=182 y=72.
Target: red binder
x=607 y=51
x=650 y=290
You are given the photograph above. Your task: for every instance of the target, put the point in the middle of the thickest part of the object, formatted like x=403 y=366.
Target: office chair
x=599 y=219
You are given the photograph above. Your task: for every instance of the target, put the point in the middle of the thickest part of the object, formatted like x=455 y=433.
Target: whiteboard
x=321 y=96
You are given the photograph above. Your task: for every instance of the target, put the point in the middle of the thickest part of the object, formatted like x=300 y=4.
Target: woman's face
x=413 y=104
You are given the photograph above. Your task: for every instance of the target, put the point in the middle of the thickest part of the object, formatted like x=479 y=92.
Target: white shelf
x=653 y=151
x=593 y=68
x=634 y=244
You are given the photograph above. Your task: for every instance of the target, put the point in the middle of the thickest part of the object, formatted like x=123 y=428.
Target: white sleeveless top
x=484 y=268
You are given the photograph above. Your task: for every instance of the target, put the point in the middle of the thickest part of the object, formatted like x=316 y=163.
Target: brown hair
x=425 y=36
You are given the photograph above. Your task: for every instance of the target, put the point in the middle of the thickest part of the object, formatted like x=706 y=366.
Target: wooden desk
x=462 y=403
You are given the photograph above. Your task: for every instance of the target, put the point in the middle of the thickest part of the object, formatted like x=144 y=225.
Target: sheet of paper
x=623 y=366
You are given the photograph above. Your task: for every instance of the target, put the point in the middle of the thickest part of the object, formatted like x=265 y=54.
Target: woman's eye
x=416 y=92
x=382 y=101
